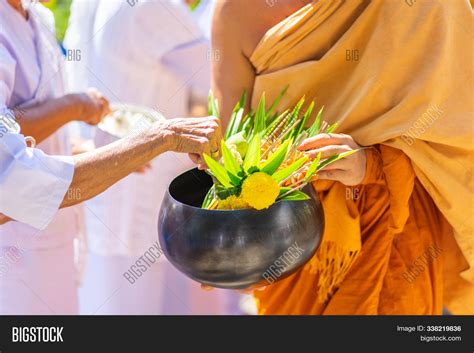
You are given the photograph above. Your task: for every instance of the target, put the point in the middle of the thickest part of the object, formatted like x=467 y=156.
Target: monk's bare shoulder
x=245 y=22
x=239 y=22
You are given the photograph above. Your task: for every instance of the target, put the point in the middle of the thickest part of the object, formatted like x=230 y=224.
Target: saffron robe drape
x=397 y=77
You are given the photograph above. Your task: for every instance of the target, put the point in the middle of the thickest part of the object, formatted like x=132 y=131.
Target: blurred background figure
x=37 y=268
x=153 y=54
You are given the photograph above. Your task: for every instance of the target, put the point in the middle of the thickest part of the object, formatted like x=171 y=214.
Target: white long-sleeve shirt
x=32 y=184
x=32 y=72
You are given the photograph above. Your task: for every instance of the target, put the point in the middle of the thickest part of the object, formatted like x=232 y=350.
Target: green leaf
x=219 y=172
x=238 y=120
x=296 y=195
x=230 y=163
x=253 y=169
x=234 y=179
x=295 y=112
x=302 y=123
x=276 y=159
x=223 y=193
x=286 y=172
x=259 y=122
x=277 y=100
x=210 y=196
x=243 y=100
x=213 y=105
x=252 y=158
x=335 y=158
x=194 y=5
x=283 y=191
x=331 y=128
x=314 y=129
x=231 y=125
x=270 y=119
x=247 y=125
x=312 y=168
x=275 y=123
x=236 y=117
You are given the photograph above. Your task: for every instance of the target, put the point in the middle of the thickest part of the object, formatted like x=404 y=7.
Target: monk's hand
x=195 y=136
x=349 y=171
x=93 y=106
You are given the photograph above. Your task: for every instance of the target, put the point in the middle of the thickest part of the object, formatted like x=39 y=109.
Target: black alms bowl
x=236 y=249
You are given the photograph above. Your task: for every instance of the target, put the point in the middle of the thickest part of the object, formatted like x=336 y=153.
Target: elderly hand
x=195 y=136
x=350 y=170
x=94 y=106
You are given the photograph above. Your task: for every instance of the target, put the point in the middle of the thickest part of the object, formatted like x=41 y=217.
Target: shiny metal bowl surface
x=236 y=249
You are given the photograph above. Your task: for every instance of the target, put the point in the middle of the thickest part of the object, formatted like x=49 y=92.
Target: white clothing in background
x=147 y=54
x=31 y=72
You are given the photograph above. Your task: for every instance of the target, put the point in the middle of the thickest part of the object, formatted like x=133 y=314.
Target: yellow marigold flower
x=232 y=203
x=260 y=190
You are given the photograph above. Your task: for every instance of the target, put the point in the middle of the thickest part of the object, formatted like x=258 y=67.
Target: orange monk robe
x=394 y=274
x=396 y=77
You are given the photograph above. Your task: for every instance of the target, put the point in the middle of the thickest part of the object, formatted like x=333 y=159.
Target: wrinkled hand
x=94 y=106
x=350 y=170
x=198 y=160
x=195 y=136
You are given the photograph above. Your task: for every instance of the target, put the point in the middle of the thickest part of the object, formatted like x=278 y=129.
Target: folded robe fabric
x=397 y=73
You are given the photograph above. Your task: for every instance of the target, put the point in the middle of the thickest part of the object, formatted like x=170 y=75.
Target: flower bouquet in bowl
x=261 y=163
x=251 y=218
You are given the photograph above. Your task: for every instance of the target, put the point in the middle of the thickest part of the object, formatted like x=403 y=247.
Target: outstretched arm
x=46 y=181
x=96 y=171
x=42 y=120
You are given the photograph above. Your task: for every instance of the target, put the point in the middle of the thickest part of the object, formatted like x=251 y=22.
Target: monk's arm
x=232 y=73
